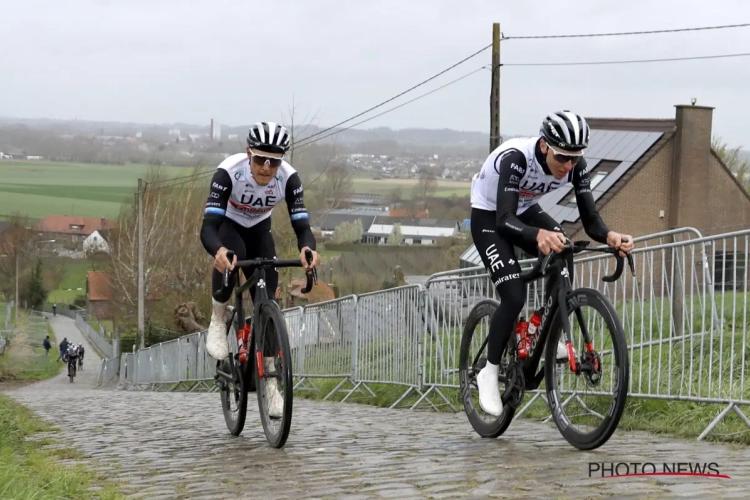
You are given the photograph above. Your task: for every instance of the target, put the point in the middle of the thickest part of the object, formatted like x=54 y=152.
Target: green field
x=40 y=188
x=445 y=188
x=75 y=278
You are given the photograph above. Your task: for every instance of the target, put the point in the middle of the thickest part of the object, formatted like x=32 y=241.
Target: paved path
x=86 y=378
x=175 y=445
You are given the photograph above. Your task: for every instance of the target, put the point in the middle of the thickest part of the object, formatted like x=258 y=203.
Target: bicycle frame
x=558 y=291
x=257 y=279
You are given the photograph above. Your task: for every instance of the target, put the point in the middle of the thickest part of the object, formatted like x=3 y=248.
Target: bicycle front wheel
x=274 y=374
x=594 y=398
x=233 y=391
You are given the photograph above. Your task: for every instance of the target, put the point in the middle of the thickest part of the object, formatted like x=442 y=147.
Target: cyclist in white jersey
x=237 y=217
x=505 y=213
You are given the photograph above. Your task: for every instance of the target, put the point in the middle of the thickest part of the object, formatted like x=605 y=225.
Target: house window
x=730 y=271
x=595 y=180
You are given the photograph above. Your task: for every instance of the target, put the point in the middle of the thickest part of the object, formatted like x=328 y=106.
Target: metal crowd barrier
x=103 y=347
x=685 y=314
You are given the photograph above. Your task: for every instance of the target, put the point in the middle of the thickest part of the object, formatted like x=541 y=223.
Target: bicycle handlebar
x=540 y=266
x=312 y=276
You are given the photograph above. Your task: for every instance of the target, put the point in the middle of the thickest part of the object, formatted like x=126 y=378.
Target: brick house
x=68 y=228
x=98 y=294
x=652 y=175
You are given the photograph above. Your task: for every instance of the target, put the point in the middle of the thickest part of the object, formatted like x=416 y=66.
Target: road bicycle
x=261 y=360
x=520 y=374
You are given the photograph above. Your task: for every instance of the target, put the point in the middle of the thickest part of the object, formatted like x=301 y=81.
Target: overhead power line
x=307 y=140
x=632 y=61
x=398 y=95
x=188 y=179
x=625 y=33
x=393 y=108
x=172 y=179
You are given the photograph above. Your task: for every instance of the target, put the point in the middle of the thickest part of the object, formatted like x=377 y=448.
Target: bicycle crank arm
x=223 y=375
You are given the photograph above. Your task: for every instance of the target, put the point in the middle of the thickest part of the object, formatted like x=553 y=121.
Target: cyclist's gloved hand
x=221 y=262
x=303 y=259
x=550 y=241
x=623 y=242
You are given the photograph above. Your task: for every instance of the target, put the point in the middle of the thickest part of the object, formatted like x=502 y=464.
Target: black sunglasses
x=262 y=160
x=565 y=158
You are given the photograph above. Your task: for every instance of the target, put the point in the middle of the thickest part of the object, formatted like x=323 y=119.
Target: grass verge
x=675 y=419
x=25 y=359
x=28 y=469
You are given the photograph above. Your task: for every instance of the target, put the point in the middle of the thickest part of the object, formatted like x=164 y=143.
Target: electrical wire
x=633 y=61
x=398 y=95
x=626 y=33
x=391 y=109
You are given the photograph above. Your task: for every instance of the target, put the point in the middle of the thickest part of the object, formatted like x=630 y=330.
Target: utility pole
x=16 y=249
x=495 y=89
x=141 y=281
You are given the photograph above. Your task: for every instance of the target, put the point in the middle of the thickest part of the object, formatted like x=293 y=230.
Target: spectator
x=47 y=345
x=63 y=349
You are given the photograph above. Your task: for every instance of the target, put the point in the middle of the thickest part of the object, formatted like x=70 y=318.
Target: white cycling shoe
x=216 y=339
x=489 y=390
x=562 y=352
x=271 y=390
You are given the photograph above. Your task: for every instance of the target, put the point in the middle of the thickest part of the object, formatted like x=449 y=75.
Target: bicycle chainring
x=514 y=388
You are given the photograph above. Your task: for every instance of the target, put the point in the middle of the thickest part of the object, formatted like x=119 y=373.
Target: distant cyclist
x=505 y=213
x=244 y=190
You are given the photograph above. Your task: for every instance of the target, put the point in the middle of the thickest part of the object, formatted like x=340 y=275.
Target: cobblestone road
x=175 y=445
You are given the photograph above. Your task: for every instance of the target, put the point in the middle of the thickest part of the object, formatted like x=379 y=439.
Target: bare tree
x=338 y=184
x=177 y=268
x=298 y=129
x=55 y=270
x=17 y=246
x=732 y=158
x=395 y=196
x=426 y=186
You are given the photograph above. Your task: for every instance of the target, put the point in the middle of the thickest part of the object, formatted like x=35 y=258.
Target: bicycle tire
x=596 y=438
x=270 y=312
x=483 y=308
x=235 y=426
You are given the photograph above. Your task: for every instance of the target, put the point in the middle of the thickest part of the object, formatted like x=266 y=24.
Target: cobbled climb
x=175 y=445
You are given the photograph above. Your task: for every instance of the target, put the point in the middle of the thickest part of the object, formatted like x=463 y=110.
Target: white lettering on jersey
x=531 y=186
x=250 y=203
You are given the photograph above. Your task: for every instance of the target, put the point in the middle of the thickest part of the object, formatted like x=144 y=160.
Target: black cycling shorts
x=247 y=243
x=499 y=257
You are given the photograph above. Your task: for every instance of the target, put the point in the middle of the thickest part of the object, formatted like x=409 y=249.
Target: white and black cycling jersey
x=235 y=195
x=248 y=203
x=513 y=178
x=532 y=180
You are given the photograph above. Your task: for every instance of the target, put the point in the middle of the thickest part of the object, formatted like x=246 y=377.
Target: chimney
x=104 y=223
x=690 y=172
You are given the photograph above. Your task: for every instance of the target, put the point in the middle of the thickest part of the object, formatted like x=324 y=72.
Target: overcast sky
x=242 y=61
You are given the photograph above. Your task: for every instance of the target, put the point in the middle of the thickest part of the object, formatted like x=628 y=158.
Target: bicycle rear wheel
x=604 y=368
x=233 y=393
x=273 y=374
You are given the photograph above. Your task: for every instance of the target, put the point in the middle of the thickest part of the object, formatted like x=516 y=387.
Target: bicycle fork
x=563 y=300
